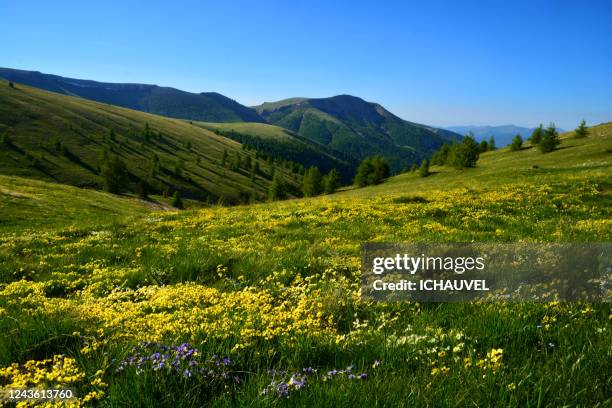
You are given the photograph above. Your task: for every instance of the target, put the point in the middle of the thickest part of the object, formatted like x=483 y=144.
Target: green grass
x=276 y=286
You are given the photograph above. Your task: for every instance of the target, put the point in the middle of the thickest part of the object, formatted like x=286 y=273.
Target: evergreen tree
x=115 y=175
x=441 y=156
x=111 y=135
x=483 y=146
x=177 y=202
x=224 y=158
x=550 y=139
x=536 y=135
x=491 y=145
x=331 y=182
x=311 y=182
x=143 y=190
x=424 y=169
x=372 y=170
x=464 y=154
x=517 y=143
x=582 y=130
x=277 y=189
x=11 y=84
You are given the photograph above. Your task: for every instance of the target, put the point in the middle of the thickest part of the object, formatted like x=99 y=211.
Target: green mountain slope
x=62 y=138
x=357 y=128
x=165 y=101
x=278 y=141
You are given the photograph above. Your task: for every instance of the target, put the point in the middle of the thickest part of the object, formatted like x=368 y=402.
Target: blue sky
x=440 y=63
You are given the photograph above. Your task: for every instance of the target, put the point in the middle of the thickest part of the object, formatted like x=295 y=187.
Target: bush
x=517 y=143
x=371 y=171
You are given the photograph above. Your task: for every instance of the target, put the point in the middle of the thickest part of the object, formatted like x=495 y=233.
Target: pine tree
x=371 y=171
x=550 y=139
x=224 y=159
x=491 y=145
x=483 y=146
x=582 y=130
x=424 y=169
x=536 y=135
x=331 y=182
x=111 y=135
x=277 y=189
x=115 y=175
x=465 y=154
x=311 y=182
x=441 y=156
x=11 y=84
x=177 y=202
x=143 y=190
x=517 y=143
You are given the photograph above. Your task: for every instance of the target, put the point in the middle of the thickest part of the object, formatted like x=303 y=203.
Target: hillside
x=274 y=288
x=278 y=141
x=65 y=139
x=357 y=128
x=165 y=101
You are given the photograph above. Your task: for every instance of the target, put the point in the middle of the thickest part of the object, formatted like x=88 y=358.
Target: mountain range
x=346 y=125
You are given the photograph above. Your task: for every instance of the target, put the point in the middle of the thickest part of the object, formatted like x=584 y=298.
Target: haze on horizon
x=440 y=63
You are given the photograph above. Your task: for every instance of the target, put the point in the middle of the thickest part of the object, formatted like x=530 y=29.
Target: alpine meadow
x=162 y=247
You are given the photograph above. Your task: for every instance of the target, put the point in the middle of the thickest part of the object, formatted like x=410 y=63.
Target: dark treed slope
x=280 y=142
x=61 y=138
x=165 y=101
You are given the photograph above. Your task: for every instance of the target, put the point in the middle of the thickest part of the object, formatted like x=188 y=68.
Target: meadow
x=260 y=305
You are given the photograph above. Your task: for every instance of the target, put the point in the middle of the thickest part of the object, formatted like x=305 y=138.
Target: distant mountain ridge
x=358 y=128
x=503 y=134
x=165 y=101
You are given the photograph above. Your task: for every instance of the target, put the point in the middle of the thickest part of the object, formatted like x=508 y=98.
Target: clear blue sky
x=434 y=62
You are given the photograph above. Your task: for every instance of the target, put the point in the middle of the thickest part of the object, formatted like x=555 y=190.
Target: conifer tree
x=582 y=130
x=517 y=143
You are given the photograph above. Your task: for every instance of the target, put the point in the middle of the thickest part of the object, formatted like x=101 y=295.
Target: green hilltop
x=358 y=128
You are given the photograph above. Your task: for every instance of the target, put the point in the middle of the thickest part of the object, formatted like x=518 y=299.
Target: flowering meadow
x=261 y=305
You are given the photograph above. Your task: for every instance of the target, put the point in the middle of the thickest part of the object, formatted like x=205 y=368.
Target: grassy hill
x=64 y=139
x=276 y=286
x=165 y=101
x=357 y=128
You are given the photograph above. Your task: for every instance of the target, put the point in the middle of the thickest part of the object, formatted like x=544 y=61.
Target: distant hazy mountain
x=358 y=128
x=206 y=106
x=503 y=134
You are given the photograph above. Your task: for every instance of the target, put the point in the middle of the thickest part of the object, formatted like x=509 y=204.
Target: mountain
x=503 y=134
x=357 y=128
x=61 y=138
x=165 y=101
